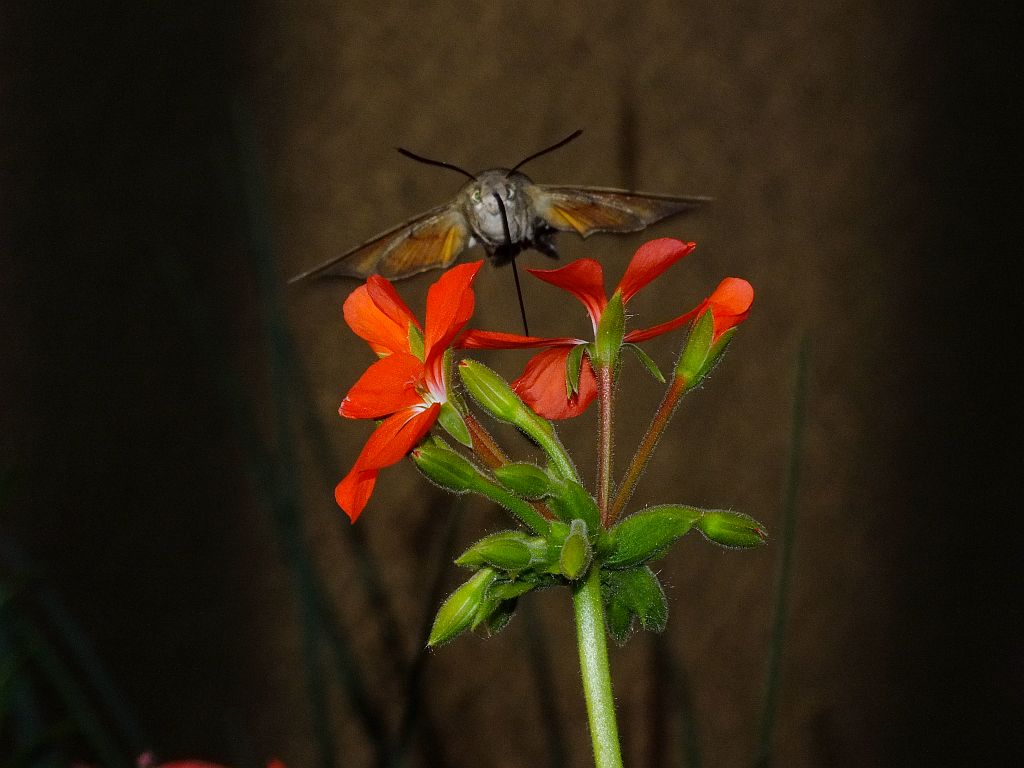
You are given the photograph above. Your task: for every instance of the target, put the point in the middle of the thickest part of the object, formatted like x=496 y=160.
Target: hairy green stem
x=525 y=511
x=597 y=680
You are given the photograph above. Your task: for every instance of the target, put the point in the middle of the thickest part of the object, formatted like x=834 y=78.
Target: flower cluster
x=567 y=534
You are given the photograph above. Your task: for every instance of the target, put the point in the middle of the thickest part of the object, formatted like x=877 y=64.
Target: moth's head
x=480 y=193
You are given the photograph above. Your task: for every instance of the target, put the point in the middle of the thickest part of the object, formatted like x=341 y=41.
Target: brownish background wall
x=849 y=150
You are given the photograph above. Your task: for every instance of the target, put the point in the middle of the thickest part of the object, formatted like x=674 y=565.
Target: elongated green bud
x=524 y=479
x=695 y=353
x=576 y=551
x=569 y=500
x=506 y=551
x=732 y=529
x=610 y=332
x=459 y=611
x=495 y=396
x=446 y=468
x=647 y=534
x=493 y=393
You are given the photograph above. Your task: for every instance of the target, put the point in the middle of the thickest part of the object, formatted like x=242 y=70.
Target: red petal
x=449 y=306
x=584 y=279
x=396 y=436
x=389 y=302
x=650 y=260
x=643 y=334
x=387 y=331
x=730 y=303
x=386 y=387
x=542 y=385
x=354 y=491
x=474 y=339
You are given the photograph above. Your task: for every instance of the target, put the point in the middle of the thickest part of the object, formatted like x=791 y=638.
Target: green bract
x=633 y=594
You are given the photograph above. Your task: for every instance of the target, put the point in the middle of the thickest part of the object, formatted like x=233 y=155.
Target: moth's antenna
x=515 y=271
x=439 y=163
x=552 y=148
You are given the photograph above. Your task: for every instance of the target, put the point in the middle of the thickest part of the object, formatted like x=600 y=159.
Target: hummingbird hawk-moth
x=502 y=210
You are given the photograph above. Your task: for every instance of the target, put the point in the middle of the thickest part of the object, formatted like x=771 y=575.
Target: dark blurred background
x=168 y=430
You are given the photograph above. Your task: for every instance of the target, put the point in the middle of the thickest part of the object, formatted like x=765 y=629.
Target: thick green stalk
x=597 y=680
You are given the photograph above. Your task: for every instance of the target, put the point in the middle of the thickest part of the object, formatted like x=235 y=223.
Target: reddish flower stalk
x=662 y=416
x=729 y=305
x=484 y=445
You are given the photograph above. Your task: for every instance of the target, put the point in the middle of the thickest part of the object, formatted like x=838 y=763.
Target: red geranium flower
x=406 y=387
x=543 y=383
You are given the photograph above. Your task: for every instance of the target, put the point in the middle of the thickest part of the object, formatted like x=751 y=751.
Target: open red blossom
x=542 y=385
x=403 y=388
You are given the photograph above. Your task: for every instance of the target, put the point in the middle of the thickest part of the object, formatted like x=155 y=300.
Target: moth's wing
x=430 y=241
x=586 y=210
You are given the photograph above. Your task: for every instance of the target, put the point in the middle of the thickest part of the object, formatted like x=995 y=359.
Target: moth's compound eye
x=476 y=196
x=510 y=193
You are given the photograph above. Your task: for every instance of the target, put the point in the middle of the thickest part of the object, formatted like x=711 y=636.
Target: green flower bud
x=493 y=393
x=731 y=529
x=647 y=534
x=446 y=468
x=569 y=500
x=461 y=608
x=695 y=353
x=524 y=479
x=507 y=551
x=633 y=594
x=610 y=331
x=576 y=551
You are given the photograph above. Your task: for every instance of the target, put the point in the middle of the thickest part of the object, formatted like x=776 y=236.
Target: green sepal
x=573 y=366
x=698 y=345
x=630 y=595
x=610 y=331
x=717 y=350
x=452 y=422
x=524 y=479
x=648 y=362
x=569 y=500
x=460 y=610
x=732 y=529
x=445 y=467
x=576 y=552
x=506 y=551
x=646 y=535
x=415 y=341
